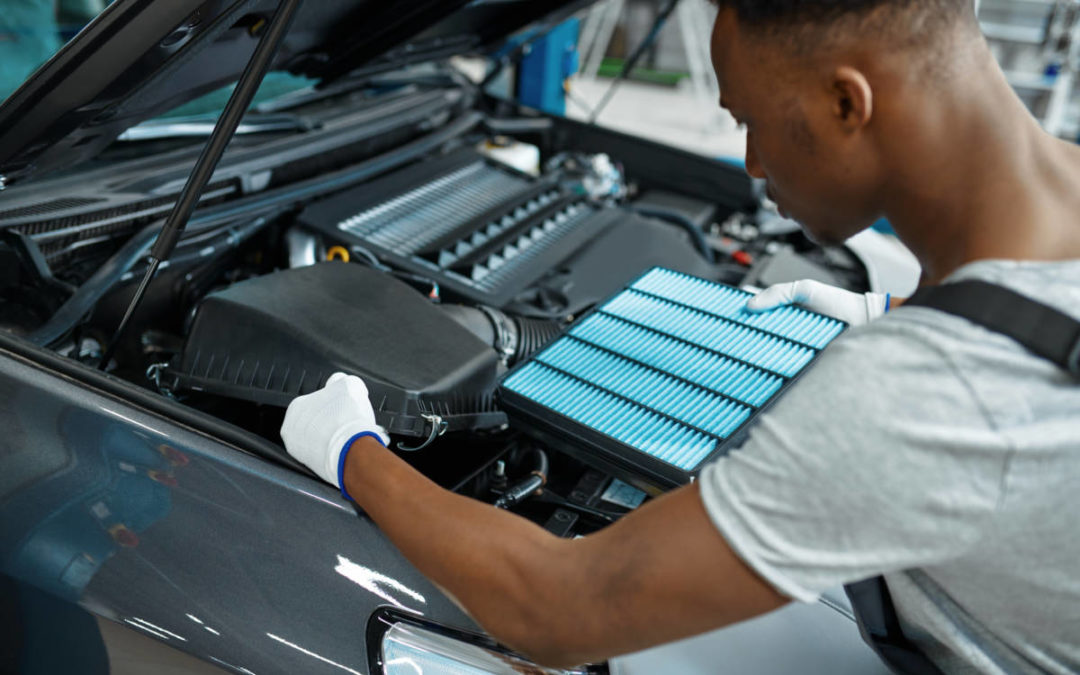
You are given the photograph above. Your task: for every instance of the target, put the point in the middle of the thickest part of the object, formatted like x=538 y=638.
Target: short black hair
x=777 y=12
x=912 y=21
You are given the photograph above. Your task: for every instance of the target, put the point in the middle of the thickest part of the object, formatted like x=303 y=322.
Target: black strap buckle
x=1072 y=362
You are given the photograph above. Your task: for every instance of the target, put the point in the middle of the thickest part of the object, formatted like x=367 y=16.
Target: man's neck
x=976 y=178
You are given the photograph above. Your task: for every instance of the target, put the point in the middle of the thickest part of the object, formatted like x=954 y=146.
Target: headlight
x=409 y=648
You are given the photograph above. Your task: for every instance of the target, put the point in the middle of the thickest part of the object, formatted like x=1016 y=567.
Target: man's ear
x=853 y=98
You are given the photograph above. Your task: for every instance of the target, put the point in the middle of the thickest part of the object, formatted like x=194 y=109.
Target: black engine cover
x=273 y=338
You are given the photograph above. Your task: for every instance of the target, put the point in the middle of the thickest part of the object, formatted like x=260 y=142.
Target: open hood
x=141 y=58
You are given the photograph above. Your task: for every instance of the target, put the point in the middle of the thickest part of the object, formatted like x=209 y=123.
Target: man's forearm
x=500 y=567
x=661 y=573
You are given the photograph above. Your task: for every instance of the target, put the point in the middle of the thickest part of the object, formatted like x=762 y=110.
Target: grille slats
x=51 y=206
x=481 y=230
x=410 y=222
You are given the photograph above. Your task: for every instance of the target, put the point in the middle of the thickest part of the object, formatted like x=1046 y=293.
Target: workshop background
x=670 y=93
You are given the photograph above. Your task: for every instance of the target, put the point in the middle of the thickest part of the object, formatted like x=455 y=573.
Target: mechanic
x=921 y=447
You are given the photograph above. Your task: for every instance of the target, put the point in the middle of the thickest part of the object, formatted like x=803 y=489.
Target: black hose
x=528 y=486
x=93 y=289
x=542 y=465
x=533 y=334
x=676 y=218
x=515 y=337
x=116 y=269
x=202 y=247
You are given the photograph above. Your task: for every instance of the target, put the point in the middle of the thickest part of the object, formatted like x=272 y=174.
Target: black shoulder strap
x=880 y=628
x=1041 y=329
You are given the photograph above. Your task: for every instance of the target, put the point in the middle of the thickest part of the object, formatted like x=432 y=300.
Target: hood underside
x=141 y=58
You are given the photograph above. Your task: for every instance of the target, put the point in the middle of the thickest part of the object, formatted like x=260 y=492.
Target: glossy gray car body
x=232 y=559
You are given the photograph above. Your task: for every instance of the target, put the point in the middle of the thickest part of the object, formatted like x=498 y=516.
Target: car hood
x=141 y=58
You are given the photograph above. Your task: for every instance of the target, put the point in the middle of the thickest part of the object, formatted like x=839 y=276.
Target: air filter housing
x=663 y=377
x=275 y=337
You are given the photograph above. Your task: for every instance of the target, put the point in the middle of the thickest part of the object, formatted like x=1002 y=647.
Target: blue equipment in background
x=542 y=73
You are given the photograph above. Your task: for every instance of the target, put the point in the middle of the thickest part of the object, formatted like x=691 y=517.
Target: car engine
x=429 y=274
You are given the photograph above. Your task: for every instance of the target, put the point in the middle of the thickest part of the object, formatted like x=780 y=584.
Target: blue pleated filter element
x=671 y=367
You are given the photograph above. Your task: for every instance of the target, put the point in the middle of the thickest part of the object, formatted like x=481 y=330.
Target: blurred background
x=640 y=66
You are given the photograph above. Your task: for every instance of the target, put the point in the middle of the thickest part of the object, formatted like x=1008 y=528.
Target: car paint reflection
x=146 y=523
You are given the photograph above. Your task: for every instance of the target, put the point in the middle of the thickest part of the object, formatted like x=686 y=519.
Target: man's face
x=817 y=171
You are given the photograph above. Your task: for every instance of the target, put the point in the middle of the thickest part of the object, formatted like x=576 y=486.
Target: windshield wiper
x=395 y=80
x=201 y=127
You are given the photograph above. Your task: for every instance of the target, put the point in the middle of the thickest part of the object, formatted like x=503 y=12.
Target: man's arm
x=661 y=573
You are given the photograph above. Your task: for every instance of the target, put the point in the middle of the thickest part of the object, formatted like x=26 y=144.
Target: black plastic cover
x=273 y=338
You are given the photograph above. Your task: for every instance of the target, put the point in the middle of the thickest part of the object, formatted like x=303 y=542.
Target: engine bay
x=412 y=255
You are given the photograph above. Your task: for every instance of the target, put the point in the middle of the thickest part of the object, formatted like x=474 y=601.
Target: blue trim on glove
x=345 y=453
x=888 y=302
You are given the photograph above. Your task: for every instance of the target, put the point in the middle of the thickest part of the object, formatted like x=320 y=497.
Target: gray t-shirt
x=940 y=454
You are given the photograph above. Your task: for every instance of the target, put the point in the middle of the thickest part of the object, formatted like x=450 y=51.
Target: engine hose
x=676 y=218
x=533 y=334
x=514 y=337
x=527 y=486
x=119 y=268
x=75 y=309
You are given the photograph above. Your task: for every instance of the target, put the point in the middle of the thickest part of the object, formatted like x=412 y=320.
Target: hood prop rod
x=224 y=129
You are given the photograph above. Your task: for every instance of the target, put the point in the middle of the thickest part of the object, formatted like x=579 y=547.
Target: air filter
x=664 y=376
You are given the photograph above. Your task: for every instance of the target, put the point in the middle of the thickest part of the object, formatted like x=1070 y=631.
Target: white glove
x=320 y=427
x=855 y=309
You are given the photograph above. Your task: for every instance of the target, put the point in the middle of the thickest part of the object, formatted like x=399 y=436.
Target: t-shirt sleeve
x=878 y=459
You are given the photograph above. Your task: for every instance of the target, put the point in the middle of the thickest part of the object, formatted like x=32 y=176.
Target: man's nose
x=753 y=167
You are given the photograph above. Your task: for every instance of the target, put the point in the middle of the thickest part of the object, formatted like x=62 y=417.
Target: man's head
x=820 y=86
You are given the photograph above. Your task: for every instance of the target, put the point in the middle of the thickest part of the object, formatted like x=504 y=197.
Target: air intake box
x=273 y=338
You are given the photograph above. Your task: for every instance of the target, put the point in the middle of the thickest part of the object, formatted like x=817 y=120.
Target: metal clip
x=438 y=428
x=153 y=373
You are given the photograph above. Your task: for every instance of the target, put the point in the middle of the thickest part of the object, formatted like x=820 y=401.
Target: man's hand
x=320 y=428
x=855 y=309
